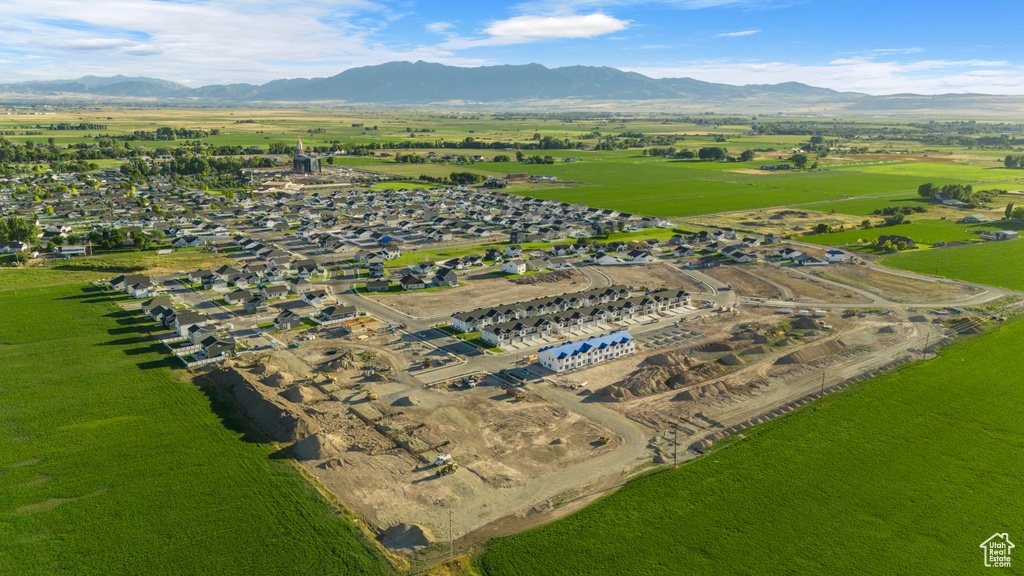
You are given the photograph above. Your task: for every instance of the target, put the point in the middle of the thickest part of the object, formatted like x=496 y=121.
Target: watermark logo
x=997 y=550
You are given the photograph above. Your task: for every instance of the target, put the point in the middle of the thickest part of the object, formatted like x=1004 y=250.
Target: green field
x=108 y=465
x=907 y=475
x=867 y=206
x=920 y=231
x=993 y=263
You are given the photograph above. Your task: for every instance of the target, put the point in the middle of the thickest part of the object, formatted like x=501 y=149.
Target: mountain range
x=424 y=83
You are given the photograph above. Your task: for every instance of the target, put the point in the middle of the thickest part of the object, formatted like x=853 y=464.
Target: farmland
x=992 y=263
x=112 y=466
x=920 y=231
x=909 y=473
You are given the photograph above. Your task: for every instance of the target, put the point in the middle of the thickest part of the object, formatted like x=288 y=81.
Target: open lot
x=903 y=445
x=894 y=287
x=481 y=289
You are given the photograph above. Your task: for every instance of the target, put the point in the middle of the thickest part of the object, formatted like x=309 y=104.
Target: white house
x=514 y=266
x=835 y=256
x=591 y=351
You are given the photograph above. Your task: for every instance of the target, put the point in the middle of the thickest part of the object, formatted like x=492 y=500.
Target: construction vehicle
x=261 y=359
x=370 y=395
x=443 y=459
x=520 y=396
x=327 y=377
x=447 y=469
x=295 y=345
x=604 y=439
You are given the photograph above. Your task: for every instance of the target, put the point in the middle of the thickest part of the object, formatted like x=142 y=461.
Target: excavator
x=261 y=359
x=327 y=377
x=447 y=469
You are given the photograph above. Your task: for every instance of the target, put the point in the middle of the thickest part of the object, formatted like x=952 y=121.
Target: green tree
x=799 y=160
x=928 y=190
x=822 y=228
x=1009 y=210
x=142 y=240
x=865 y=224
x=746 y=156
x=712 y=153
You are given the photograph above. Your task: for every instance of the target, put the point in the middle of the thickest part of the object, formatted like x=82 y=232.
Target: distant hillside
x=425 y=83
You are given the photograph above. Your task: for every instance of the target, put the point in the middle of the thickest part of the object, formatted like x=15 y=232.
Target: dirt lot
x=654 y=276
x=481 y=290
x=895 y=288
x=744 y=283
x=799 y=287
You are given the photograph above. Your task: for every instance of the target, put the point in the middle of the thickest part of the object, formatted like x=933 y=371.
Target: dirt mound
x=886 y=330
x=918 y=318
x=971 y=330
x=806 y=323
x=730 y=360
x=319 y=446
x=343 y=361
x=785 y=342
x=275 y=378
x=762 y=339
x=406 y=401
x=614 y=393
x=278 y=423
x=811 y=352
x=759 y=349
x=720 y=346
x=699 y=373
x=303 y=394
x=671 y=360
x=406 y=536
x=544 y=277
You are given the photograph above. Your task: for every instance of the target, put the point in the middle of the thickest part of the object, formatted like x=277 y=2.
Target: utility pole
x=451 y=540
x=822 y=381
x=924 y=351
x=675 y=444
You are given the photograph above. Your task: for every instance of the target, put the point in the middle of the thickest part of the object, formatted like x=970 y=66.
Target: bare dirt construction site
x=484 y=289
x=745 y=367
x=793 y=285
x=348 y=409
x=654 y=277
x=895 y=287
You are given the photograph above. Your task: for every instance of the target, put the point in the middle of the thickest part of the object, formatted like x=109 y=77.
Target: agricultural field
x=992 y=263
x=908 y=473
x=920 y=231
x=110 y=465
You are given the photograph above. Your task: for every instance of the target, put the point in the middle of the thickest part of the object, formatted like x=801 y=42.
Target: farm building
x=835 y=256
x=590 y=351
x=1001 y=235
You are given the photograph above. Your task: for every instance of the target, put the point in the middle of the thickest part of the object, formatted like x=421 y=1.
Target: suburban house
x=378 y=286
x=513 y=251
x=586 y=352
x=214 y=347
x=514 y=266
x=412 y=282
x=272 y=292
x=835 y=256
x=299 y=285
x=808 y=260
x=287 y=320
x=337 y=313
x=237 y=297
x=185 y=319
x=314 y=297
x=13 y=247
x=445 y=277
x=256 y=305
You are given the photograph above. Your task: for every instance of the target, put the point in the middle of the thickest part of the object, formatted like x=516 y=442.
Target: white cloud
x=96 y=43
x=531 y=28
x=858 y=75
x=438 y=27
x=737 y=34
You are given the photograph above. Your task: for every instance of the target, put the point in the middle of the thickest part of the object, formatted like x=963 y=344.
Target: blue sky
x=872 y=46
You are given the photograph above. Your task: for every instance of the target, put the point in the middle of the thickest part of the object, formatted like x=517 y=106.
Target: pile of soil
x=319 y=446
x=886 y=330
x=759 y=349
x=406 y=536
x=730 y=360
x=811 y=352
x=544 y=277
x=276 y=420
x=343 y=361
x=303 y=395
x=406 y=401
x=275 y=378
x=919 y=318
x=719 y=346
x=806 y=323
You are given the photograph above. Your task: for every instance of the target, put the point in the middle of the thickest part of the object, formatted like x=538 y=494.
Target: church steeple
x=298 y=147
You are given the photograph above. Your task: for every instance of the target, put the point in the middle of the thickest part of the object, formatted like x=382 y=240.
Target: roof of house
x=574 y=348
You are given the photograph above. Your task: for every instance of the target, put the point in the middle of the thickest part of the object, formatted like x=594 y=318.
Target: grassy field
x=108 y=465
x=920 y=231
x=992 y=263
x=907 y=475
